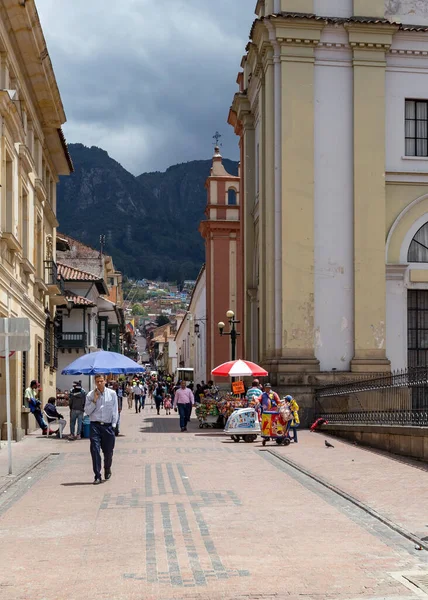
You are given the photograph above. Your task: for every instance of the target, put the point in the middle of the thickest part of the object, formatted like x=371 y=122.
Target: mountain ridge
x=150 y=220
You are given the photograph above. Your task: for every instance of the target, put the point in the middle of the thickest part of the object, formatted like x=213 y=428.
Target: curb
x=367 y=509
x=33 y=465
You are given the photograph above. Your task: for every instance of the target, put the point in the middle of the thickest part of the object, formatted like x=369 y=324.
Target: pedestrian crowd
x=104 y=404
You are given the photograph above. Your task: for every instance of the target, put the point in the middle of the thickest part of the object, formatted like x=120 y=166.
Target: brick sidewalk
x=392 y=486
x=195 y=516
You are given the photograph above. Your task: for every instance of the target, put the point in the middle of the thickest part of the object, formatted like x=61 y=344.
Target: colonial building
x=191 y=337
x=33 y=153
x=332 y=116
x=91 y=316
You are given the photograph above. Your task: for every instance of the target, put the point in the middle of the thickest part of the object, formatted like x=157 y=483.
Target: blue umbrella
x=98 y=363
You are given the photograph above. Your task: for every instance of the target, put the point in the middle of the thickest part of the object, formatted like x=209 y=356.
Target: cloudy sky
x=150 y=81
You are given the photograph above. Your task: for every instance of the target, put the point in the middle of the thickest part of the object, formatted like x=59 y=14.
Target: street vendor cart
x=243 y=424
x=276 y=426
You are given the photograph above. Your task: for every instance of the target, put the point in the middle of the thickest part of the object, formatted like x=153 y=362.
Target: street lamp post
x=233 y=333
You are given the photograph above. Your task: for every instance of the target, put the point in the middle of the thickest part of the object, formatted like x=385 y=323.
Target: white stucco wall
x=408 y=11
x=199 y=309
x=333 y=8
x=406 y=78
x=396 y=323
x=65 y=382
x=334 y=204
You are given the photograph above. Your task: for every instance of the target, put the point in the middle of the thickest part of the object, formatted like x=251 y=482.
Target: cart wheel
x=287 y=442
x=264 y=442
x=235 y=438
x=252 y=438
x=278 y=441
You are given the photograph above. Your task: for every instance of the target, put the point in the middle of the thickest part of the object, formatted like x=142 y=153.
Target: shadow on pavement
x=78 y=483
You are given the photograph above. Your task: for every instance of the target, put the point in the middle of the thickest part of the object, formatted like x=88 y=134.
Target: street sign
x=14 y=335
x=18 y=334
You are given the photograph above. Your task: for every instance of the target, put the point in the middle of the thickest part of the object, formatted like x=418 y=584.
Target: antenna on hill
x=102 y=244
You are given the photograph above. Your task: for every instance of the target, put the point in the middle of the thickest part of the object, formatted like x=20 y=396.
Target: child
x=168 y=404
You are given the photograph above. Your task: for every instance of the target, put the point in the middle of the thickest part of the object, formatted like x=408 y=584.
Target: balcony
x=54 y=283
x=73 y=339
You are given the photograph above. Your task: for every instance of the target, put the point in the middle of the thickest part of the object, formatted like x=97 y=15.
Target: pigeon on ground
x=328 y=445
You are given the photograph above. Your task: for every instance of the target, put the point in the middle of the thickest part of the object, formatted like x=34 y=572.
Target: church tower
x=223 y=255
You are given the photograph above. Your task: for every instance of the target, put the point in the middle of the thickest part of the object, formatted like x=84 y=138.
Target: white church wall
x=405 y=79
x=407 y=11
x=334 y=204
x=396 y=323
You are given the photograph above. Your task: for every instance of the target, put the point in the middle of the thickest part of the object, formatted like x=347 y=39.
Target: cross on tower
x=217 y=137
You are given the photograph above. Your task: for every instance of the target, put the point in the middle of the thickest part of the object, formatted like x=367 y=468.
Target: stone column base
x=292 y=365
x=370 y=365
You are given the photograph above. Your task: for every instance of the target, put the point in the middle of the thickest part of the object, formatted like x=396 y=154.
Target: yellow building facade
x=33 y=154
x=332 y=115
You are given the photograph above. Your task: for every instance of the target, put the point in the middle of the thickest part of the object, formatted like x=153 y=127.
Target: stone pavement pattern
x=195 y=516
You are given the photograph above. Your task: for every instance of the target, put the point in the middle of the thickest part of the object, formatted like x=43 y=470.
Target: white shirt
x=105 y=410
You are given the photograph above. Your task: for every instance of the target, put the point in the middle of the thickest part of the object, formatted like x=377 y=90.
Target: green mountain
x=150 y=221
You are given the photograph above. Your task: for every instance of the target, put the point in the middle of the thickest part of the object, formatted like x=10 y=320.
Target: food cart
x=243 y=424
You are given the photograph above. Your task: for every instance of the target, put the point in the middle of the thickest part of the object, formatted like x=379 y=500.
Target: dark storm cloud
x=148 y=80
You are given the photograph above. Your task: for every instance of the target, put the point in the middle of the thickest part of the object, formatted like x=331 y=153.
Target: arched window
x=231 y=197
x=418 y=250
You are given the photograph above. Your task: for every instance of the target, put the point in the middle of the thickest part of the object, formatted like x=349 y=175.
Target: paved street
x=195 y=516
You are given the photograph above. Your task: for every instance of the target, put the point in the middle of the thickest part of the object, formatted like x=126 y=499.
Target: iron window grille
x=416 y=128
x=48 y=344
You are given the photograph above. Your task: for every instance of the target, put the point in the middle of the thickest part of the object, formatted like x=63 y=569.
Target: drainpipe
x=277 y=6
x=278 y=184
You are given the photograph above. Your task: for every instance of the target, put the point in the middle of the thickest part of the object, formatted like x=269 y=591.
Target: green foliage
x=161 y=320
x=150 y=222
x=138 y=310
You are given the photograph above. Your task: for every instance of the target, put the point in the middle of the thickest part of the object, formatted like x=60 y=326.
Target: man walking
x=102 y=408
x=136 y=390
x=183 y=401
x=76 y=403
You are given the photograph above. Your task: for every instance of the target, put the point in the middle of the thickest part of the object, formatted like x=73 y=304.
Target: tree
x=161 y=320
x=138 y=310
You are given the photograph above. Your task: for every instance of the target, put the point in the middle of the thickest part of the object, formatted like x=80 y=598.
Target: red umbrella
x=239 y=368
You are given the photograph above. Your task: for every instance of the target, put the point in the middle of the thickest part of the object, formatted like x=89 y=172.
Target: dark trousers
x=102 y=437
x=158 y=401
x=39 y=418
x=137 y=400
x=184 y=410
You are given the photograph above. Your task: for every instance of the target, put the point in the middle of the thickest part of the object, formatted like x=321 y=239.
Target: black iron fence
x=399 y=398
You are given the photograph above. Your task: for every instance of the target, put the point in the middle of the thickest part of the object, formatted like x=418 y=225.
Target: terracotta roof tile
x=78 y=300
x=331 y=20
x=72 y=274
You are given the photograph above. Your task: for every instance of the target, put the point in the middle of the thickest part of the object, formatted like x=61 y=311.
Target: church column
x=267 y=307
x=297 y=215
x=247 y=207
x=369 y=62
